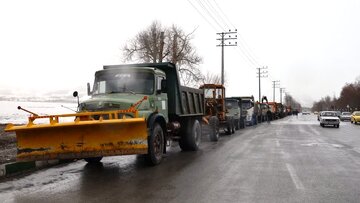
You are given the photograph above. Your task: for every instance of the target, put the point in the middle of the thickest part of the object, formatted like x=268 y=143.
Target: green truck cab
x=171 y=111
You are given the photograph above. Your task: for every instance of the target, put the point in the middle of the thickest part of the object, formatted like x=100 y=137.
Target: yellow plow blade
x=81 y=139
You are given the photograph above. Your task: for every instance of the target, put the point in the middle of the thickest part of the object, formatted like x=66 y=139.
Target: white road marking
x=296 y=180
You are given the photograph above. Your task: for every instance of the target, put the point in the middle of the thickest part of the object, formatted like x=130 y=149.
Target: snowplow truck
x=132 y=109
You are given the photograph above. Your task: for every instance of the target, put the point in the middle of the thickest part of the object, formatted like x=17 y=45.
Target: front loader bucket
x=80 y=138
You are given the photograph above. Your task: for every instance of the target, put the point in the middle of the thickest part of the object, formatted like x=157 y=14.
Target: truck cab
x=119 y=88
x=233 y=109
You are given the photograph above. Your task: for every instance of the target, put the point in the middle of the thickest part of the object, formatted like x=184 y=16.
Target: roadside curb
x=17 y=167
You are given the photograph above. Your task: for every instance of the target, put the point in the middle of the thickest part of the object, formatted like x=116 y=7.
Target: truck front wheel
x=214 y=128
x=237 y=124
x=155 y=145
x=229 y=126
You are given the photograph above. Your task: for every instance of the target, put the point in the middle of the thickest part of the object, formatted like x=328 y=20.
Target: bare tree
x=210 y=78
x=158 y=44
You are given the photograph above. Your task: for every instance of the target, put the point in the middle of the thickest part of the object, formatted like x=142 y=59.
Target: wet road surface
x=289 y=160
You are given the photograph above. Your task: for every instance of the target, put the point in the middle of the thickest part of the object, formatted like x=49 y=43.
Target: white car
x=329 y=118
x=345 y=116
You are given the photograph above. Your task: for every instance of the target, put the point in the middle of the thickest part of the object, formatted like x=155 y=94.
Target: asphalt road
x=289 y=160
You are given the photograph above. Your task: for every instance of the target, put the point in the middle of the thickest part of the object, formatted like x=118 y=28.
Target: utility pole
x=282 y=90
x=223 y=37
x=161 y=47
x=276 y=84
x=261 y=74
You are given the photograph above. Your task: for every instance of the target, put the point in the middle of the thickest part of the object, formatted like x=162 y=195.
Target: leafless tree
x=210 y=78
x=159 y=44
x=349 y=97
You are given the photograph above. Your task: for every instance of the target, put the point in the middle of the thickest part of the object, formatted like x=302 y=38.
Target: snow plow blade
x=85 y=137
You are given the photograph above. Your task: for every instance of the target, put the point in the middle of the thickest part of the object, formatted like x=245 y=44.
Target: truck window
x=209 y=93
x=158 y=82
x=121 y=81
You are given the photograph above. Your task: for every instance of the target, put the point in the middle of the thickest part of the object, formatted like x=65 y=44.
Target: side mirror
x=88 y=89
x=76 y=94
x=163 y=86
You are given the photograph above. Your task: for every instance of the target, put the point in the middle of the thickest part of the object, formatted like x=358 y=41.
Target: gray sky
x=311 y=46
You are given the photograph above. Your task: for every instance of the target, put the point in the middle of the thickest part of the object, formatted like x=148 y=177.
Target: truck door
x=161 y=100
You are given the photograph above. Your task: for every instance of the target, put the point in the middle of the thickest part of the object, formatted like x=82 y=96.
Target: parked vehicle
x=355 y=117
x=215 y=111
x=280 y=110
x=249 y=110
x=274 y=110
x=345 y=116
x=329 y=118
x=132 y=109
x=233 y=108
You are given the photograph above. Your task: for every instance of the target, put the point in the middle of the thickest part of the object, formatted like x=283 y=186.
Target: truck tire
x=237 y=124
x=229 y=126
x=93 y=160
x=214 y=128
x=155 y=145
x=233 y=127
x=190 y=141
x=242 y=123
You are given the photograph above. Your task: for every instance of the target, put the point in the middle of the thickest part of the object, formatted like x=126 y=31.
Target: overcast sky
x=311 y=46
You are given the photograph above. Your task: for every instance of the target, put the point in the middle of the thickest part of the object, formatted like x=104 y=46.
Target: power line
x=197 y=10
x=208 y=9
x=208 y=12
x=225 y=36
x=217 y=14
x=217 y=5
x=276 y=84
x=247 y=50
x=261 y=74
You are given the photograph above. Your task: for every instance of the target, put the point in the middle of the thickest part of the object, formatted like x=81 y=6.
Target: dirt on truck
x=132 y=109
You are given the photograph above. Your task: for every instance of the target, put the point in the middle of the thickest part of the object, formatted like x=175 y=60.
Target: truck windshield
x=213 y=93
x=247 y=104
x=123 y=82
x=231 y=104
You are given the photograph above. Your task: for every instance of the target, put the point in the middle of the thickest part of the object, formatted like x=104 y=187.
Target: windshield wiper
x=127 y=91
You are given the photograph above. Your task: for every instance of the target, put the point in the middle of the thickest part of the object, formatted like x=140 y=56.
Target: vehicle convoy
x=249 y=110
x=329 y=118
x=132 y=109
x=216 y=115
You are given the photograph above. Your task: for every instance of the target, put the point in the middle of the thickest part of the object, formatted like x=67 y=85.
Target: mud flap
x=81 y=139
